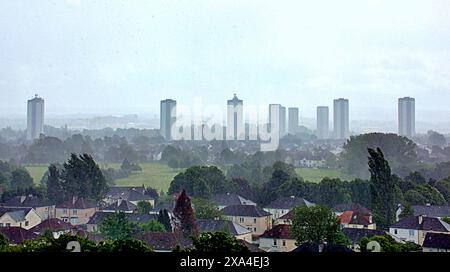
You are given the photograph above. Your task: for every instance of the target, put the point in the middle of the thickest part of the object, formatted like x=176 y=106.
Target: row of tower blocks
x=236 y=128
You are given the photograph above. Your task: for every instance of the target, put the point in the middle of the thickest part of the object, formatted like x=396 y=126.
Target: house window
x=241 y=220
x=73 y=220
x=254 y=229
x=284 y=243
x=74 y=211
x=27 y=223
x=411 y=232
x=64 y=211
x=254 y=220
x=395 y=231
x=274 y=242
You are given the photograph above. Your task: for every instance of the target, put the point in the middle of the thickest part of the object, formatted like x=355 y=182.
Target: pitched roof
x=355 y=235
x=250 y=246
x=288 y=216
x=245 y=210
x=53 y=224
x=230 y=199
x=129 y=193
x=17 y=214
x=351 y=207
x=289 y=203
x=163 y=240
x=26 y=201
x=428 y=223
x=281 y=231
x=121 y=205
x=98 y=217
x=169 y=206
x=432 y=211
x=209 y=225
x=356 y=218
x=17 y=235
x=77 y=203
x=437 y=240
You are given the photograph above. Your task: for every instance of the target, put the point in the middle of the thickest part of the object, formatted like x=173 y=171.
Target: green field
x=316 y=175
x=155 y=175
x=37 y=172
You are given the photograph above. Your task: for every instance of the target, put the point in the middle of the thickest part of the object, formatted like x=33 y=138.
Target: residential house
x=283 y=205
x=17 y=235
x=42 y=207
x=431 y=211
x=224 y=200
x=163 y=241
x=233 y=228
x=98 y=217
x=436 y=242
x=355 y=216
x=285 y=219
x=414 y=228
x=132 y=194
x=76 y=211
x=55 y=225
x=121 y=205
x=19 y=217
x=251 y=247
x=251 y=217
x=277 y=239
x=356 y=234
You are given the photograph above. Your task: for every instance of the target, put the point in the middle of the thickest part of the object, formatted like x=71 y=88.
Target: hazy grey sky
x=124 y=56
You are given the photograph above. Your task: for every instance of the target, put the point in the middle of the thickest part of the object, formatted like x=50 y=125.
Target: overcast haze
x=116 y=57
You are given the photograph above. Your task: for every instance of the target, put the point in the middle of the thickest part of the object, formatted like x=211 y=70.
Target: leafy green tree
x=50 y=244
x=382 y=189
x=184 y=216
x=317 y=224
x=117 y=227
x=413 y=197
x=21 y=178
x=333 y=192
x=201 y=181
x=205 y=209
x=217 y=242
x=388 y=244
x=360 y=192
x=55 y=186
x=4 y=243
x=144 y=207
x=406 y=212
x=446 y=220
x=153 y=226
x=443 y=186
x=123 y=246
x=164 y=219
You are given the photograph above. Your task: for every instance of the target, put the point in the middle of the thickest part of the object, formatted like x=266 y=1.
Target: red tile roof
x=53 y=224
x=282 y=231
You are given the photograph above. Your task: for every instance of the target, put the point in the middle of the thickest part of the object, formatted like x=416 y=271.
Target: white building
x=35 y=120
x=167 y=118
x=278 y=113
x=341 y=119
x=406 y=117
x=235 y=119
x=323 y=122
x=293 y=120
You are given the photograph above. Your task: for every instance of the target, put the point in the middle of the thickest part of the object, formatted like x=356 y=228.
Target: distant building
x=414 y=228
x=283 y=205
x=280 y=122
x=235 y=119
x=341 y=119
x=251 y=217
x=167 y=118
x=323 y=122
x=35 y=120
x=406 y=117
x=277 y=239
x=293 y=120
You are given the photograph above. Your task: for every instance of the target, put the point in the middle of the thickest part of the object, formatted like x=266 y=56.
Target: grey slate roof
x=245 y=211
x=288 y=203
x=355 y=235
x=437 y=240
x=17 y=214
x=428 y=223
x=432 y=211
x=209 y=225
x=26 y=201
x=128 y=192
x=121 y=205
x=351 y=207
x=98 y=217
x=230 y=199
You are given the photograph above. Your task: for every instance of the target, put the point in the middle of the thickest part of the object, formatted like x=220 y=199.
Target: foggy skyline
x=111 y=57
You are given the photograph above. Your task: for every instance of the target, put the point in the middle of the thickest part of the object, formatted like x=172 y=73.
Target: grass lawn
x=37 y=172
x=155 y=175
x=316 y=175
